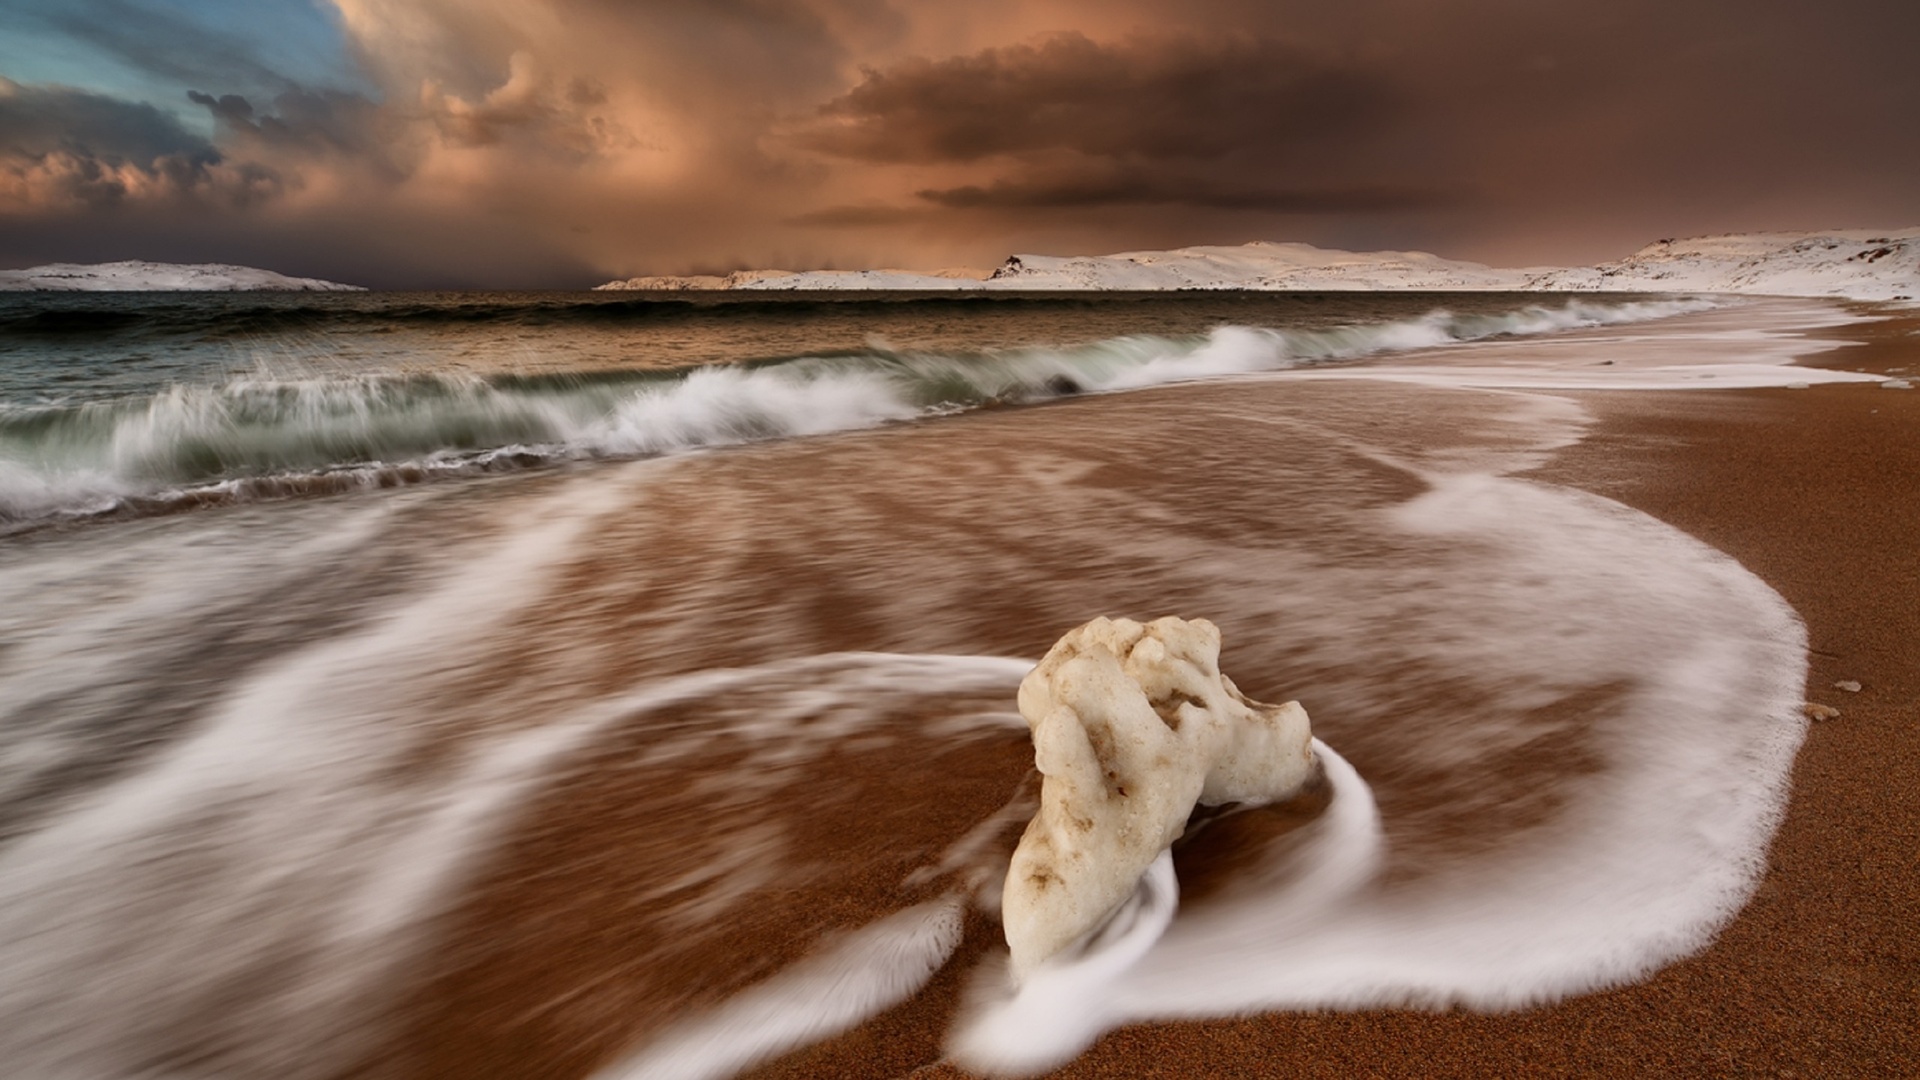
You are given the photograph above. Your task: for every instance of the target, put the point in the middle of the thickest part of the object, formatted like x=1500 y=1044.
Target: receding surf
x=684 y=764
x=267 y=434
x=1134 y=728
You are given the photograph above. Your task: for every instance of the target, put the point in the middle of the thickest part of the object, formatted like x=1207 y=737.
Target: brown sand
x=562 y=956
x=1818 y=492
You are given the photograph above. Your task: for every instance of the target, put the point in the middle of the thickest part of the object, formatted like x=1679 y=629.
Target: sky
x=560 y=143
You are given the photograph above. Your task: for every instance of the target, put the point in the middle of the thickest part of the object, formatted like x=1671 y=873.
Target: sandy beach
x=553 y=967
x=1820 y=975
x=706 y=763
x=885 y=539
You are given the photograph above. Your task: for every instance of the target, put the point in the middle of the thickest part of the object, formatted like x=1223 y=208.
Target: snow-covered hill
x=134 y=276
x=1860 y=264
x=1259 y=265
x=1865 y=265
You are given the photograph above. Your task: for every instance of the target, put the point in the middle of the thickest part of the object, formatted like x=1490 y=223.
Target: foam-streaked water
x=659 y=766
x=115 y=430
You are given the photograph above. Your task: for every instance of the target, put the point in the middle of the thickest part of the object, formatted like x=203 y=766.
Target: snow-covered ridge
x=1862 y=264
x=1259 y=265
x=135 y=276
x=1859 y=264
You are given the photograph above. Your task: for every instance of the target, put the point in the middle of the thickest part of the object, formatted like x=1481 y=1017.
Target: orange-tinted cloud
x=1153 y=98
x=531 y=142
x=68 y=150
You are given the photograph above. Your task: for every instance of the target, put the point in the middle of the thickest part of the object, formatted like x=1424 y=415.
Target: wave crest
x=256 y=437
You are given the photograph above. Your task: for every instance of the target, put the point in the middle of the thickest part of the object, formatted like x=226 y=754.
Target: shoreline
x=1818 y=975
x=742 y=706
x=1812 y=491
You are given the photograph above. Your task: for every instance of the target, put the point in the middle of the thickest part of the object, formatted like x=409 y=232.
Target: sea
x=622 y=685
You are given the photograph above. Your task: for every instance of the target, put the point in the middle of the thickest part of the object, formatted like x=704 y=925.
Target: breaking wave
x=258 y=437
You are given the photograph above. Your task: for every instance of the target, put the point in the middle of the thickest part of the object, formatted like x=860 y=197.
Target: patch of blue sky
x=155 y=51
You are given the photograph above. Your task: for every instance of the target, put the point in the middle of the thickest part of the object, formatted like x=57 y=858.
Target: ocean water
x=117 y=404
x=531 y=685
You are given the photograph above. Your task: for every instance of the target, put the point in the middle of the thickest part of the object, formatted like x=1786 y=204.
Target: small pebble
x=1851 y=686
x=1819 y=712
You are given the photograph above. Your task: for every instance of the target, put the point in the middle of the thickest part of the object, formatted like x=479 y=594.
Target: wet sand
x=703 y=842
x=587 y=934
x=730 y=711
x=666 y=731
x=1818 y=492
x=593 y=926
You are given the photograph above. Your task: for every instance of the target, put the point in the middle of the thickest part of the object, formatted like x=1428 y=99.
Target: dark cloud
x=1151 y=98
x=313 y=122
x=1237 y=124
x=37 y=120
x=1492 y=129
x=1152 y=191
x=1143 y=191
x=378 y=246
x=60 y=146
x=500 y=140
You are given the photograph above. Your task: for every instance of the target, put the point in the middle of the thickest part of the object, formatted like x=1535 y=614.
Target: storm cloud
x=560 y=142
x=1150 y=191
x=1065 y=123
x=61 y=147
x=38 y=120
x=1145 y=98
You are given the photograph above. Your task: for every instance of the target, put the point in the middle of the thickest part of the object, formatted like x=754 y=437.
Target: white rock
x=1132 y=726
x=1851 y=686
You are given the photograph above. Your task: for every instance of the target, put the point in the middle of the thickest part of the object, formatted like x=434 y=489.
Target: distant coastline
x=1858 y=264
x=140 y=276
x=1852 y=264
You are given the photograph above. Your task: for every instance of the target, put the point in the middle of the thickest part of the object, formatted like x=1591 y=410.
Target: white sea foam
x=866 y=971
x=277 y=847
x=274 y=850
x=1057 y=1009
x=1068 y=1001
x=274 y=847
x=1646 y=854
x=256 y=437
x=1654 y=853
x=719 y=406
